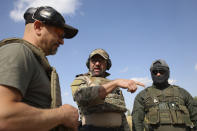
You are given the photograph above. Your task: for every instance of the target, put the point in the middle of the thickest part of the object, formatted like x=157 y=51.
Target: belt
x=107 y=119
x=95 y=128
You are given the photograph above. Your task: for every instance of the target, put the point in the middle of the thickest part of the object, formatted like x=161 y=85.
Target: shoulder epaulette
x=82 y=75
x=175 y=85
x=79 y=75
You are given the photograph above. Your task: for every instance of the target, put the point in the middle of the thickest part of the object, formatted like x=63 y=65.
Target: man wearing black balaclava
x=160 y=74
x=162 y=106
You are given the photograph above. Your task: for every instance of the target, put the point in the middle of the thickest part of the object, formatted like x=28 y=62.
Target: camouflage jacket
x=85 y=90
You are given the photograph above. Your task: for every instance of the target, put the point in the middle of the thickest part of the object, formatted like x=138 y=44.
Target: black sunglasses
x=158 y=71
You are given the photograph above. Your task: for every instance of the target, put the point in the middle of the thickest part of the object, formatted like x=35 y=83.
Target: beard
x=53 y=50
x=100 y=73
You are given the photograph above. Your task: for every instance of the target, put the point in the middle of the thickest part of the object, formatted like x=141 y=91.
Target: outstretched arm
x=84 y=94
x=130 y=85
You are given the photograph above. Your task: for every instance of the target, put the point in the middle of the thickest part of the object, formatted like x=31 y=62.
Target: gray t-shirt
x=20 y=69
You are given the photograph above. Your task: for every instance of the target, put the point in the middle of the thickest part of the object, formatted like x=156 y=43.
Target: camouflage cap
x=100 y=52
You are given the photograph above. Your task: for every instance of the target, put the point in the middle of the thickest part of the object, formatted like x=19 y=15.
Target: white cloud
x=67 y=7
x=148 y=82
x=144 y=80
x=171 y=81
x=124 y=70
x=195 y=67
x=66 y=94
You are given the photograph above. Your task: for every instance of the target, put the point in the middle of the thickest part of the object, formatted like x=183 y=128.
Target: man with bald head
x=29 y=86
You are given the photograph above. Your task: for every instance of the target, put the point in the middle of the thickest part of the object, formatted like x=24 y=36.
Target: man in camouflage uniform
x=163 y=107
x=99 y=99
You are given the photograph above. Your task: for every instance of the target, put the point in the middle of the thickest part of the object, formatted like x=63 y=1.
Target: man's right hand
x=70 y=116
x=130 y=85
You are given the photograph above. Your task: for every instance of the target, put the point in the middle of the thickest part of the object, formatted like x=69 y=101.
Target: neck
x=161 y=85
x=105 y=74
x=29 y=35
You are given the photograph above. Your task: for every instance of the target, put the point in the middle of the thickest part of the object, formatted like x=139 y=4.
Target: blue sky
x=133 y=32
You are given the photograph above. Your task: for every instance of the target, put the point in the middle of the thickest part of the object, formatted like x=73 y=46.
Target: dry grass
x=129 y=120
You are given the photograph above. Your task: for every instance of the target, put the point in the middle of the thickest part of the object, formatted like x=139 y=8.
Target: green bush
x=195 y=98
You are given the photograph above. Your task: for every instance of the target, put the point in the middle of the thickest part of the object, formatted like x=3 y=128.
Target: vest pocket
x=165 y=116
x=153 y=116
x=184 y=115
x=174 y=116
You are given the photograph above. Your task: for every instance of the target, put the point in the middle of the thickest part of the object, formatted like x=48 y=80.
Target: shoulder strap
x=151 y=97
x=153 y=92
x=177 y=94
x=39 y=54
x=51 y=72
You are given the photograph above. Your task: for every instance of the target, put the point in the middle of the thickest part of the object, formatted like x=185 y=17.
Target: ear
x=38 y=26
x=88 y=63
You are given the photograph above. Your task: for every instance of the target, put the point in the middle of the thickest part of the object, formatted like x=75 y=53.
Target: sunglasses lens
x=161 y=71
x=158 y=71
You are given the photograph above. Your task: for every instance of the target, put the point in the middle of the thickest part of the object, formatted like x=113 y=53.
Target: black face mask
x=162 y=80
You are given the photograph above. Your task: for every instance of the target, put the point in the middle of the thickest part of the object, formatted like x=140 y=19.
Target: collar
x=105 y=75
